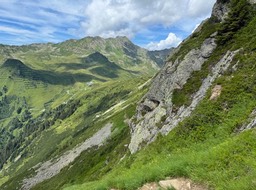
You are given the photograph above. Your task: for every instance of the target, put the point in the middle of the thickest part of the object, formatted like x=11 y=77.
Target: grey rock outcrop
x=251 y=124
x=252 y=1
x=155 y=113
x=51 y=168
x=183 y=112
x=220 y=9
x=157 y=103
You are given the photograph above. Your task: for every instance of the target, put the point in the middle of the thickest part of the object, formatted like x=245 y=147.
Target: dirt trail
x=177 y=184
x=52 y=167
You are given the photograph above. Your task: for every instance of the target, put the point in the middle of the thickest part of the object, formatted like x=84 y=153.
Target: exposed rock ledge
x=158 y=101
x=183 y=112
x=53 y=167
x=251 y=124
x=252 y=1
x=220 y=10
x=154 y=114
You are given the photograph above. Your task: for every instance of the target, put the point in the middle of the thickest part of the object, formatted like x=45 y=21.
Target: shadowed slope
x=21 y=70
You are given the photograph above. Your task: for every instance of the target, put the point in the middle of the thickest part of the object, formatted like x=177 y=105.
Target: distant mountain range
x=119 y=50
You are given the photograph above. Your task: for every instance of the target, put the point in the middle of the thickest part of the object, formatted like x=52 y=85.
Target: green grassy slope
x=90 y=113
x=207 y=147
x=50 y=94
x=119 y=50
x=39 y=78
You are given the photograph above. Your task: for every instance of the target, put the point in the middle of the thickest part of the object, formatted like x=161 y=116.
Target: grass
x=41 y=77
x=205 y=147
x=97 y=162
x=94 y=161
x=216 y=157
x=3 y=179
x=67 y=133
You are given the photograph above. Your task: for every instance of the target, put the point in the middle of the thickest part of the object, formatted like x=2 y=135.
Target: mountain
x=160 y=56
x=43 y=85
x=193 y=123
x=191 y=72
x=39 y=68
x=119 y=50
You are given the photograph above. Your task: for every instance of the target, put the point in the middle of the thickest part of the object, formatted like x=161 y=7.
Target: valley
x=48 y=96
x=105 y=114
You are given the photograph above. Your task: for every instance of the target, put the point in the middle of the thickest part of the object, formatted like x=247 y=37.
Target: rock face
x=53 y=167
x=174 y=75
x=156 y=114
x=251 y=124
x=183 y=112
x=157 y=104
x=220 y=9
x=252 y=1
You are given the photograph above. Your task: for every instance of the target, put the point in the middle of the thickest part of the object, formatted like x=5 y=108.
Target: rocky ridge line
x=218 y=69
x=156 y=112
x=158 y=101
x=157 y=106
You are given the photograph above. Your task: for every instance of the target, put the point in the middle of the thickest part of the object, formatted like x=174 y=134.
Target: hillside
x=195 y=120
x=119 y=50
x=59 y=89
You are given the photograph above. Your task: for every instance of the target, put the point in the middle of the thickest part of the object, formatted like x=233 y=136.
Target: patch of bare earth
x=216 y=91
x=177 y=184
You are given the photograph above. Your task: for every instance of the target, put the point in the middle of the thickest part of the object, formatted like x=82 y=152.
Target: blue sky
x=152 y=24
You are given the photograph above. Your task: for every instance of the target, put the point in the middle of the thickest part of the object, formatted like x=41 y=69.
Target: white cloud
x=200 y=8
x=36 y=14
x=64 y=19
x=171 y=41
x=27 y=35
x=118 y=17
x=15 y=31
x=110 y=18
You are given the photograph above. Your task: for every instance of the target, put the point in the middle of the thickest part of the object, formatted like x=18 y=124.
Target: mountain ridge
x=158 y=105
x=194 y=119
x=30 y=72
x=80 y=47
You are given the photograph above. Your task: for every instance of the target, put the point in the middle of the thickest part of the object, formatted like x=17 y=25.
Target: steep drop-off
x=166 y=105
x=52 y=93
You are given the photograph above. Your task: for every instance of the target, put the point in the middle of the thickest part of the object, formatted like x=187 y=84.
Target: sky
x=152 y=24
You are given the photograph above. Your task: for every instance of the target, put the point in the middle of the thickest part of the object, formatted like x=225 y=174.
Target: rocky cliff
x=157 y=106
x=158 y=112
x=220 y=9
